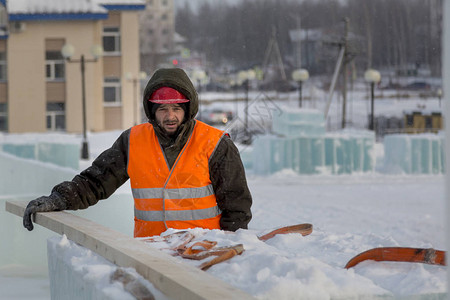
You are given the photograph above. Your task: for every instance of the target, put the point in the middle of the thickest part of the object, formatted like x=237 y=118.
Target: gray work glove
x=54 y=202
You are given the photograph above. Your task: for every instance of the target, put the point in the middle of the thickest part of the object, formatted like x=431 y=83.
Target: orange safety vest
x=181 y=197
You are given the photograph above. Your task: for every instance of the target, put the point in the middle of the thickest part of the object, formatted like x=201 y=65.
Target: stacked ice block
x=24 y=180
x=294 y=122
x=299 y=142
x=61 y=154
x=414 y=154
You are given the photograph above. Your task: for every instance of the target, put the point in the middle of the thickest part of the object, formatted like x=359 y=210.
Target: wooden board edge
x=176 y=280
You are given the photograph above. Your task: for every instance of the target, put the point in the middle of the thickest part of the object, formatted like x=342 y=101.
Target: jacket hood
x=177 y=79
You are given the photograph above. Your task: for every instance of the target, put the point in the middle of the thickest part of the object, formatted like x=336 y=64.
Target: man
x=183 y=173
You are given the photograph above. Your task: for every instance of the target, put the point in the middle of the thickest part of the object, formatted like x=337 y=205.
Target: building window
x=3 y=117
x=165 y=31
x=165 y=2
x=54 y=66
x=164 y=17
x=111 y=40
x=3 y=65
x=111 y=91
x=56 y=116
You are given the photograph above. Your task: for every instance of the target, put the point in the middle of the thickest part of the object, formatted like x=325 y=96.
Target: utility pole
x=346 y=55
x=273 y=46
x=344 y=70
x=298 y=54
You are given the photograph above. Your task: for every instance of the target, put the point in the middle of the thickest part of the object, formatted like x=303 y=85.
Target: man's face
x=169 y=117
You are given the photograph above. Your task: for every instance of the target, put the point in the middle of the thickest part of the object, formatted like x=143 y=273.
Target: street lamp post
x=372 y=76
x=67 y=52
x=200 y=77
x=439 y=94
x=300 y=75
x=233 y=84
x=245 y=77
x=141 y=76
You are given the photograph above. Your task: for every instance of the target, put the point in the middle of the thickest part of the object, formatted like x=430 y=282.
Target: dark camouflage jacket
x=109 y=171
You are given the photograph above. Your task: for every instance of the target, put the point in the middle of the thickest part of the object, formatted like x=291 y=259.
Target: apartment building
x=41 y=90
x=157 y=33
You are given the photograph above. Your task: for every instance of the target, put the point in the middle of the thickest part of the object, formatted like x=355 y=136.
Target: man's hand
x=54 y=202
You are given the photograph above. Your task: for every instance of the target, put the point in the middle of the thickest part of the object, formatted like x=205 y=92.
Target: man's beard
x=171 y=134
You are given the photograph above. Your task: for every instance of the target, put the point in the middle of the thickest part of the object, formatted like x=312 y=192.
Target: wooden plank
x=176 y=280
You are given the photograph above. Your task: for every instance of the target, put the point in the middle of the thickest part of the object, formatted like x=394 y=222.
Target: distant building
x=41 y=91
x=312 y=51
x=157 y=34
x=307 y=44
x=423 y=121
x=317 y=49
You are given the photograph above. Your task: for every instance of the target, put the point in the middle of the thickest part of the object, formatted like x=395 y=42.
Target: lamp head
x=97 y=51
x=67 y=51
x=372 y=76
x=300 y=75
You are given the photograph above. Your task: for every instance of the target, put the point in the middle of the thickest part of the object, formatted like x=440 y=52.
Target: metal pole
x=300 y=93
x=372 y=96
x=247 y=137
x=85 y=147
x=344 y=70
x=333 y=81
x=236 y=99
x=246 y=104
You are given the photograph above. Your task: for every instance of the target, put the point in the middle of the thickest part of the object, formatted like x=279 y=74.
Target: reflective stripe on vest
x=181 y=197
x=177 y=215
x=153 y=193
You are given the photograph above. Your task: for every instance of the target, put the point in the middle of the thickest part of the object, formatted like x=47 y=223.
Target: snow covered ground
x=350 y=214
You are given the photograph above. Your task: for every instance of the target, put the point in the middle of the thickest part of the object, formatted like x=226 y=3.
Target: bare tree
x=397 y=33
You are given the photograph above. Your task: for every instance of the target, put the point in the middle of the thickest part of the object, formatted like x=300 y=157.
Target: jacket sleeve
x=106 y=174
x=230 y=186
